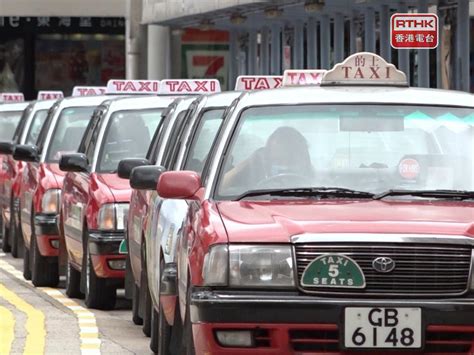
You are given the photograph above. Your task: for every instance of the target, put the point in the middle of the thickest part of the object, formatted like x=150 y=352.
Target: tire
x=73 y=281
x=160 y=330
x=16 y=236
x=136 y=306
x=26 y=264
x=188 y=328
x=147 y=309
x=44 y=270
x=5 y=237
x=98 y=294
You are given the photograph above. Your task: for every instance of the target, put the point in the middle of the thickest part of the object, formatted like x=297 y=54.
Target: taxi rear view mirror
x=74 y=162
x=126 y=166
x=6 y=148
x=371 y=124
x=179 y=185
x=26 y=152
x=145 y=177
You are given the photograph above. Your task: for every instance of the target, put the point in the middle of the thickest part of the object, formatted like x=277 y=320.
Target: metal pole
x=264 y=52
x=312 y=43
x=404 y=54
x=234 y=60
x=252 y=53
x=369 y=35
x=385 y=48
x=439 y=53
x=159 y=51
x=276 y=53
x=338 y=38
x=298 y=45
x=353 y=34
x=462 y=44
x=133 y=39
x=423 y=55
x=325 y=33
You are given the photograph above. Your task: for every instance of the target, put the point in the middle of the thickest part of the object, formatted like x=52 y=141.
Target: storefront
x=57 y=53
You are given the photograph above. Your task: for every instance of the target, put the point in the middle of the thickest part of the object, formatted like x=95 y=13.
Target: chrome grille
x=421 y=269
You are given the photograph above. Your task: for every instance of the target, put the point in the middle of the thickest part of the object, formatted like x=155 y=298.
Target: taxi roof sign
x=137 y=87
x=258 y=82
x=11 y=97
x=88 y=90
x=365 y=68
x=303 y=77
x=50 y=95
x=189 y=86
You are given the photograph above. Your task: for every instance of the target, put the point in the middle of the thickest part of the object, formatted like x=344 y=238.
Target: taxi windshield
x=8 y=122
x=35 y=127
x=370 y=148
x=128 y=135
x=67 y=135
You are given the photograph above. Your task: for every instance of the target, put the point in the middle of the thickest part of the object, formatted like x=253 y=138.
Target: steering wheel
x=294 y=179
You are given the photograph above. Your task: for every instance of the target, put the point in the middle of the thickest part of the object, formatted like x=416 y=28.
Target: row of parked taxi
x=252 y=221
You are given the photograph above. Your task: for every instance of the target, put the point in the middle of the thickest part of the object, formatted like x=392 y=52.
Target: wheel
x=98 y=294
x=160 y=331
x=44 y=270
x=26 y=264
x=73 y=281
x=16 y=236
x=147 y=308
x=136 y=306
x=5 y=236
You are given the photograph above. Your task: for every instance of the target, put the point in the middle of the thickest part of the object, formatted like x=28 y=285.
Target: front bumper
x=289 y=323
x=104 y=249
x=47 y=236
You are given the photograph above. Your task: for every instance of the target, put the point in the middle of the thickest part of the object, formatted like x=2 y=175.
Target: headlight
x=50 y=201
x=249 y=266
x=112 y=216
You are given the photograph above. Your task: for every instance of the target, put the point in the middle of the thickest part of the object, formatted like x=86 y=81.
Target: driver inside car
x=282 y=161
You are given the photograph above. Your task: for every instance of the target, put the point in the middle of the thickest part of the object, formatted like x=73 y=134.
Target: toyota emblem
x=383 y=264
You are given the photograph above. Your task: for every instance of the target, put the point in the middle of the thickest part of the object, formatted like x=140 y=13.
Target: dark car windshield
x=128 y=135
x=8 y=122
x=35 y=127
x=70 y=127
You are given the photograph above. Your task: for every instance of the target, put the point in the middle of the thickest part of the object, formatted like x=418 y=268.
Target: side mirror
x=74 y=162
x=7 y=148
x=26 y=152
x=146 y=177
x=179 y=185
x=126 y=166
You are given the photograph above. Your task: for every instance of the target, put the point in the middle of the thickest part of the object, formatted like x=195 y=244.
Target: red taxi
x=94 y=201
x=27 y=132
x=40 y=188
x=343 y=225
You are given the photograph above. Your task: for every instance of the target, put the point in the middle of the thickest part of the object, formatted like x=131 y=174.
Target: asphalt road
x=45 y=321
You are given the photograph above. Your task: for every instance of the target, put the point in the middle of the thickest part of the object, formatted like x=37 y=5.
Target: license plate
x=370 y=327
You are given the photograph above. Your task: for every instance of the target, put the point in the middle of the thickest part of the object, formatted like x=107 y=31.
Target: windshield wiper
x=448 y=194
x=308 y=191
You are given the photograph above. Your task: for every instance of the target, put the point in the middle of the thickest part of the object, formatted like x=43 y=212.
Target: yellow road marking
x=36 y=334
x=7 y=330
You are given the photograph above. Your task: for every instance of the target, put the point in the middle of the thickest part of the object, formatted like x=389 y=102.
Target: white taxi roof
x=17 y=106
x=83 y=101
x=138 y=102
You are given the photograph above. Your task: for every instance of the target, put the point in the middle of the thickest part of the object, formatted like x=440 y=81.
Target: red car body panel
x=11 y=186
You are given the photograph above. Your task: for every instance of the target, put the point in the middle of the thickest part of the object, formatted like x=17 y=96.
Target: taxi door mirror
x=146 y=177
x=75 y=162
x=7 y=148
x=26 y=152
x=179 y=185
x=126 y=166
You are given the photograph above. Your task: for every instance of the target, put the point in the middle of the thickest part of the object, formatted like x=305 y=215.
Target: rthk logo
x=414 y=31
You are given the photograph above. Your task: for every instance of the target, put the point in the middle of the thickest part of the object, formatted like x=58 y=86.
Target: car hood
x=277 y=221
x=120 y=188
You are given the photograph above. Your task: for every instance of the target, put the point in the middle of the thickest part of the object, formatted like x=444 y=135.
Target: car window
x=35 y=127
x=24 y=118
x=8 y=122
x=171 y=144
x=203 y=139
x=89 y=140
x=70 y=127
x=128 y=135
x=364 y=147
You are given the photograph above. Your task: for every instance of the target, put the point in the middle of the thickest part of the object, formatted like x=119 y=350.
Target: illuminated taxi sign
x=88 y=90
x=11 y=97
x=140 y=87
x=189 y=86
x=296 y=77
x=50 y=95
x=364 y=68
x=258 y=82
